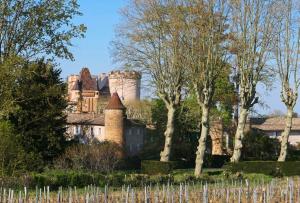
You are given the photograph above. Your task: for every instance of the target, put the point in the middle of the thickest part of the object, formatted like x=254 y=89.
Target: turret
x=126 y=83
x=114 y=120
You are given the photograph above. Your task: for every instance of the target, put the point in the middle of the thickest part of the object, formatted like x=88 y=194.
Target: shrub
x=266 y=167
x=258 y=146
x=100 y=157
x=115 y=180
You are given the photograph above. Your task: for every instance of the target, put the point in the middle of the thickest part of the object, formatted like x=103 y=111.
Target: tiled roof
x=95 y=119
x=134 y=122
x=273 y=123
x=115 y=102
x=85 y=119
x=87 y=81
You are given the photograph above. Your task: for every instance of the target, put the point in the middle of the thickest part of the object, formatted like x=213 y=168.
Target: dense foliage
x=258 y=146
x=32 y=120
x=288 y=168
x=11 y=152
x=39 y=119
x=34 y=28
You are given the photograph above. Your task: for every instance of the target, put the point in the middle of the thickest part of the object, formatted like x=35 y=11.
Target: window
x=99 y=131
x=92 y=132
x=77 y=130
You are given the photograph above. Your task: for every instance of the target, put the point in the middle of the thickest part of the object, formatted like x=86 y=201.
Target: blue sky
x=101 y=18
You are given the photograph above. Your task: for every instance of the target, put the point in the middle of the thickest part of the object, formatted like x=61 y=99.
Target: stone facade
x=114 y=120
x=127 y=84
x=91 y=93
x=96 y=112
x=83 y=91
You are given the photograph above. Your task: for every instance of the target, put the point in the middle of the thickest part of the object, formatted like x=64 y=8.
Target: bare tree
x=206 y=59
x=252 y=25
x=287 y=50
x=150 y=39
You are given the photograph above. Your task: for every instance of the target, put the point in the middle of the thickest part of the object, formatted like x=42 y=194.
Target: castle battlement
x=125 y=74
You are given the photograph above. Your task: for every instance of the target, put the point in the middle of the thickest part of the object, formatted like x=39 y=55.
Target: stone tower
x=126 y=83
x=114 y=120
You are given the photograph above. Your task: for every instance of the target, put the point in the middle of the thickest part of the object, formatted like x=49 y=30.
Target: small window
x=76 y=130
x=92 y=132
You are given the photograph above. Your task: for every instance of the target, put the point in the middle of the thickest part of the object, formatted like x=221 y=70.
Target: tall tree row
x=189 y=45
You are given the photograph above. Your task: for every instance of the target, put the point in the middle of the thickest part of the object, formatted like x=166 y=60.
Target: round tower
x=126 y=83
x=114 y=120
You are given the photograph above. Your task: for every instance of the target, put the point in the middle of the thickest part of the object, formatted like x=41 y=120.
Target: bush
x=100 y=157
x=273 y=168
x=258 y=146
x=130 y=163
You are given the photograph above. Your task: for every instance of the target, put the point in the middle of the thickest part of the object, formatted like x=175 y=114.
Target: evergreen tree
x=39 y=119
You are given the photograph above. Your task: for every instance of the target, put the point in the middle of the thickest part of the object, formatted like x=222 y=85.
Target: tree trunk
x=165 y=154
x=202 y=141
x=285 y=134
x=239 y=135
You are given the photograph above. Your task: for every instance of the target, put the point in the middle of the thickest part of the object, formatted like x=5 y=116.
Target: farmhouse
x=97 y=111
x=270 y=126
x=274 y=126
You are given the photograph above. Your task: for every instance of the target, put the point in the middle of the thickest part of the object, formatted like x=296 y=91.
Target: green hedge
x=157 y=167
x=152 y=167
x=274 y=168
x=215 y=161
x=55 y=179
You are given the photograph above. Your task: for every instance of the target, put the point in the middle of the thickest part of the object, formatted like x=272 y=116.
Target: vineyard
x=277 y=190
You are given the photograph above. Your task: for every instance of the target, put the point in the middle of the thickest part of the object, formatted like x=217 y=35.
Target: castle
x=97 y=108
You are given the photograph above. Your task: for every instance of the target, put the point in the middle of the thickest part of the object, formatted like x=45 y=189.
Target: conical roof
x=115 y=102
x=87 y=81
